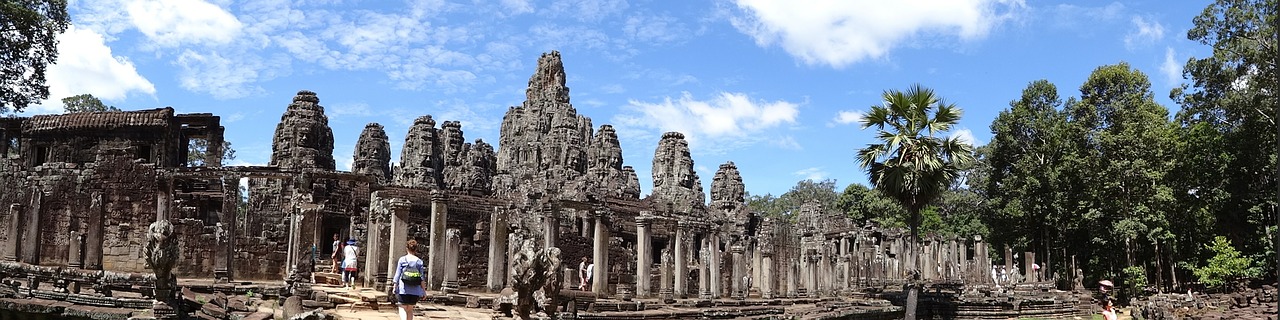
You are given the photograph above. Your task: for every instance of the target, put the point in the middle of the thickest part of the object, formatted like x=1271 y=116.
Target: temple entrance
x=339 y=225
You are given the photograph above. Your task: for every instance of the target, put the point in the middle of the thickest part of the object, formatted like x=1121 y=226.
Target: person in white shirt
x=349 y=267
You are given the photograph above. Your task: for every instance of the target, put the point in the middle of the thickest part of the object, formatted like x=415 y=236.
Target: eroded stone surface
x=675 y=183
x=303 y=139
x=373 y=153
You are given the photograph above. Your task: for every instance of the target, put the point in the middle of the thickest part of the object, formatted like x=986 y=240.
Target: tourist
x=995 y=275
x=1108 y=311
x=349 y=266
x=336 y=256
x=582 y=273
x=409 y=287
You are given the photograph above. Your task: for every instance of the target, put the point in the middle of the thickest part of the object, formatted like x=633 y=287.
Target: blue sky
x=775 y=86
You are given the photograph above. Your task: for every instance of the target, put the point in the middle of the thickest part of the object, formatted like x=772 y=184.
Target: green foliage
x=863 y=204
x=199 y=148
x=1135 y=280
x=28 y=44
x=1227 y=267
x=823 y=192
x=85 y=103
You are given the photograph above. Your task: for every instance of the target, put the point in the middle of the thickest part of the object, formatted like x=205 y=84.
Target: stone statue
x=161 y=255
x=531 y=270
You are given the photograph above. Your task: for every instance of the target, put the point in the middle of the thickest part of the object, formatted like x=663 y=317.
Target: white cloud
x=86 y=65
x=966 y=136
x=727 y=120
x=787 y=142
x=1171 y=69
x=814 y=173
x=179 y=22
x=655 y=29
x=220 y=76
x=515 y=7
x=1144 y=33
x=587 y=10
x=843 y=32
x=848 y=117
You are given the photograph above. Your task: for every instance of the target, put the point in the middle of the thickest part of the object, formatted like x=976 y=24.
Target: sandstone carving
x=373 y=153
x=303 y=139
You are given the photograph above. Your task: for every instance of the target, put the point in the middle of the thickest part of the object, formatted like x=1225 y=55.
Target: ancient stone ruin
x=100 y=200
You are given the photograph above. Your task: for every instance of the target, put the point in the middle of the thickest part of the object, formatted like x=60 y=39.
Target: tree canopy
x=28 y=45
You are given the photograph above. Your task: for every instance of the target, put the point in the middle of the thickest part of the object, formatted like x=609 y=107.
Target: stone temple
x=104 y=212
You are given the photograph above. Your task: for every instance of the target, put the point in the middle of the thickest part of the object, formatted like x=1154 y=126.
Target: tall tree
x=1233 y=94
x=1028 y=182
x=911 y=162
x=1127 y=141
x=28 y=44
x=85 y=103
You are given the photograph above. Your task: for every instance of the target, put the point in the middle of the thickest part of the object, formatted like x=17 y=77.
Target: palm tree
x=910 y=163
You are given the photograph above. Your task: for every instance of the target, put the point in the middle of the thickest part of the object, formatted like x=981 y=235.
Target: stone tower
x=544 y=142
x=605 y=168
x=303 y=139
x=674 y=180
x=373 y=153
x=421 y=164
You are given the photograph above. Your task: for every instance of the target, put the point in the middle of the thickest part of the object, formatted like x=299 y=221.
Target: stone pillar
x=551 y=224
x=439 y=216
x=757 y=266
x=93 y=233
x=793 y=275
x=804 y=270
x=1029 y=259
x=498 y=251
x=73 y=250
x=1008 y=261
x=643 y=242
x=453 y=248
x=600 y=254
x=681 y=259
x=765 y=281
x=396 y=245
x=713 y=247
x=31 y=230
x=213 y=154
x=664 y=276
x=704 y=268
x=376 y=244
x=13 y=230
x=739 y=271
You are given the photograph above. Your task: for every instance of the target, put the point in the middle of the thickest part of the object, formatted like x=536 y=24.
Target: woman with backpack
x=349 y=263
x=409 y=287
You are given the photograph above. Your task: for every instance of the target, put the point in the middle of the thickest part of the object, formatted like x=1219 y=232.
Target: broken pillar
x=713 y=247
x=664 y=276
x=498 y=250
x=681 y=258
x=30 y=249
x=643 y=242
x=453 y=248
x=765 y=282
x=436 y=264
x=600 y=254
x=73 y=249
x=704 y=268
x=93 y=232
x=739 y=271
x=13 y=230
x=397 y=244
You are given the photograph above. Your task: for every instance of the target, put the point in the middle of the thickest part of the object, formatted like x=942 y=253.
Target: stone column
x=757 y=266
x=396 y=245
x=681 y=259
x=73 y=250
x=1008 y=261
x=550 y=223
x=13 y=230
x=765 y=281
x=713 y=247
x=498 y=250
x=643 y=242
x=213 y=156
x=93 y=234
x=793 y=275
x=1028 y=260
x=704 y=268
x=439 y=216
x=739 y=270
x=600 y=254
x=453 y=248
x=31 y=230
x=804 y=270
x=664 y=276
x=376 y=244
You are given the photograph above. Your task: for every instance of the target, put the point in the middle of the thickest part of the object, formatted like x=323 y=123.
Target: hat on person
x=351 y=242
x=1106 y=283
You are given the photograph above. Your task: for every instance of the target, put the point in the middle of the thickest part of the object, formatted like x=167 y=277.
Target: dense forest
x=1156 y=197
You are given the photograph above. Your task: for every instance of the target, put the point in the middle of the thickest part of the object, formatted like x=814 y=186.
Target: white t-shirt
x=591 y=271
x=349 y=256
